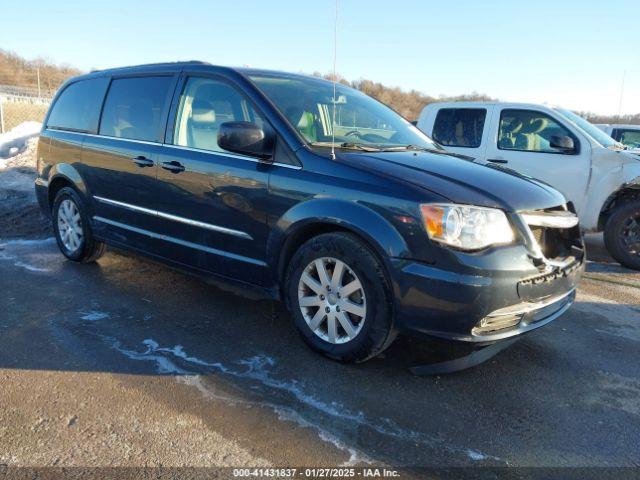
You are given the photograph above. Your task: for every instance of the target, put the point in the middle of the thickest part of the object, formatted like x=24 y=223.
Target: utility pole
x=624 y=74
x=38 y=72
x=1 y=117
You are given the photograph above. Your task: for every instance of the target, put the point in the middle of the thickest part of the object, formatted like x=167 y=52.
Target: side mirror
x=246 y=138
x=562 y=142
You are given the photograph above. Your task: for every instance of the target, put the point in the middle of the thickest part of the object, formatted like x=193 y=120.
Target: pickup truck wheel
x=622 y=235
x=340 y=298
x=72 y=228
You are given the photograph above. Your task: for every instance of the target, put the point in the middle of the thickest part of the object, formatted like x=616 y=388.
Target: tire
x=72 y=228
x=368 y=309
x=619 y=233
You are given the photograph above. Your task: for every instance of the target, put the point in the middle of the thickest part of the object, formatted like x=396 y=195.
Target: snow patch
x=31 y=268
x=15 y=141
x=477 y=456
x=163 y=364
x=94 y=315
x=21 y=264
x=257 y=369
x=27 y=243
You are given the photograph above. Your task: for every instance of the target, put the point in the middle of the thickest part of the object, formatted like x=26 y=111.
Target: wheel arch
x=316 y=217
x=65 y=175
x=627 y=192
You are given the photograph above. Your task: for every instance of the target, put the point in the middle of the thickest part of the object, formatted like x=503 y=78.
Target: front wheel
x=340 y=298
x=72 y=229
x=622 y=234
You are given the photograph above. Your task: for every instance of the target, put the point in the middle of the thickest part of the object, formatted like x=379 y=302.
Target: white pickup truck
x=556 y=146
x=628 y=135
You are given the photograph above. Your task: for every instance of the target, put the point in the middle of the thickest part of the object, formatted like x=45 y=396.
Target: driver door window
x=529 y=131
x=206 y=104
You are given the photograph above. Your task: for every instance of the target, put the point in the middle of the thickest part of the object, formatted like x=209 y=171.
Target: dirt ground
x=19 y=211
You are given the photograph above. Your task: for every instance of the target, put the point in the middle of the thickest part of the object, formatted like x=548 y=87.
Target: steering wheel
x=353 y=133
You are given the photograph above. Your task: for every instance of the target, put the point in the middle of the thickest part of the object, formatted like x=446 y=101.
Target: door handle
x=143 y=161
x=173 y=166
x=497 y=160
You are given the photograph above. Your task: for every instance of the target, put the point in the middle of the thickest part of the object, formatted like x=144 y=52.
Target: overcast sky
x=571 y=53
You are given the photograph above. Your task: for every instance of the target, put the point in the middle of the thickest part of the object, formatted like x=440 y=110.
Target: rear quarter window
x=77 y=108
x=459 y=127
x=134 y=108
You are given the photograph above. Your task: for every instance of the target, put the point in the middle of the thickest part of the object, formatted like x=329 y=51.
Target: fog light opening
x=500 y=322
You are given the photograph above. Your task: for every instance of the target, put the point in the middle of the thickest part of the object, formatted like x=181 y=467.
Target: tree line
x=18 y=71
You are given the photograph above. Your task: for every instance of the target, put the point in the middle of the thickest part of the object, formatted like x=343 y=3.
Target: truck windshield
x=359 y=122
x=598 y=135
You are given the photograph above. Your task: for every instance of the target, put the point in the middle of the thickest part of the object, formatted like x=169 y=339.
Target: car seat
x=303 y=121
x=202 y=127
x=507 y=133
x=460 y=137
x=529 y=138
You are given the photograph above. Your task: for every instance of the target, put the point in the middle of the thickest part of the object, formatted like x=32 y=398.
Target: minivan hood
x=459 y=180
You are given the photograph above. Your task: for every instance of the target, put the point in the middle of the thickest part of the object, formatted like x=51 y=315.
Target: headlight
x=466 y=227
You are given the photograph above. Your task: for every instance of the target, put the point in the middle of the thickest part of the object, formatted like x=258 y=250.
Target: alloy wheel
x=631 y=236
x=332 y=300
x=70 y=225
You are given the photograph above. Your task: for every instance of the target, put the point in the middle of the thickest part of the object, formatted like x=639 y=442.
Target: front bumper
x=479 y=304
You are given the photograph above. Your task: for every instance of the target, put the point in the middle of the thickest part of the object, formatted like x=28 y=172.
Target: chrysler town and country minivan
x=325 y=199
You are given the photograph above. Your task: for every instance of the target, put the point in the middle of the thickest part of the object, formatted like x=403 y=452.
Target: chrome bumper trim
x=561 y=219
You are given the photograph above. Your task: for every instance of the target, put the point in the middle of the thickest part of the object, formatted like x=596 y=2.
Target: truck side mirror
x=246 y=138
x=562 y=142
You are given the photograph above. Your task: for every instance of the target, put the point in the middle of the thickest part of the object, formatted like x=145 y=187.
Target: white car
x=594 y=172
x=628 y=135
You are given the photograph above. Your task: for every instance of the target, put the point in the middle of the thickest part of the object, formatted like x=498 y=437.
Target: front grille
x=537 y=233
x=555 y=242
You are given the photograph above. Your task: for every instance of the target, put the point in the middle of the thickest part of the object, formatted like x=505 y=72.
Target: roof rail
x=158 y=64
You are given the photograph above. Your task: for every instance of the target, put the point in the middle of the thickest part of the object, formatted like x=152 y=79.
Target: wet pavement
x=128 y=362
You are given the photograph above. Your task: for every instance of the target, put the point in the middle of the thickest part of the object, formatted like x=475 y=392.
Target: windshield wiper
x=348 y=146
x=414 y=147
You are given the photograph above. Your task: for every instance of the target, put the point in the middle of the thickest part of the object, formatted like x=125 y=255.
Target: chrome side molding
x=175 y=218
x=179 y=241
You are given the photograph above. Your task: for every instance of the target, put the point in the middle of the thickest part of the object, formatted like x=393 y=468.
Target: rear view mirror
x=562 y=142
x=246 y=138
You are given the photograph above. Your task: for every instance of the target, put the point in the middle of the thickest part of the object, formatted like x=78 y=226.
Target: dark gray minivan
x=323 y=198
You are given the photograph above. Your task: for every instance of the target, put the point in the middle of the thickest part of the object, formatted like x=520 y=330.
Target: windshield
x=359 y=121
x=598 y=135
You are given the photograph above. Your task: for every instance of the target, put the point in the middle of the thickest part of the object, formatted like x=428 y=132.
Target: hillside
x=19 y=72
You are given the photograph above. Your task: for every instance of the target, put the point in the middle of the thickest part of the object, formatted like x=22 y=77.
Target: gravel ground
x=130 y=363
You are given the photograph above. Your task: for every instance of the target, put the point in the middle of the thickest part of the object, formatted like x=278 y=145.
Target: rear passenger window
x=78 y=106
x=205 y=104
x=134 y=108
x=459 y=127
